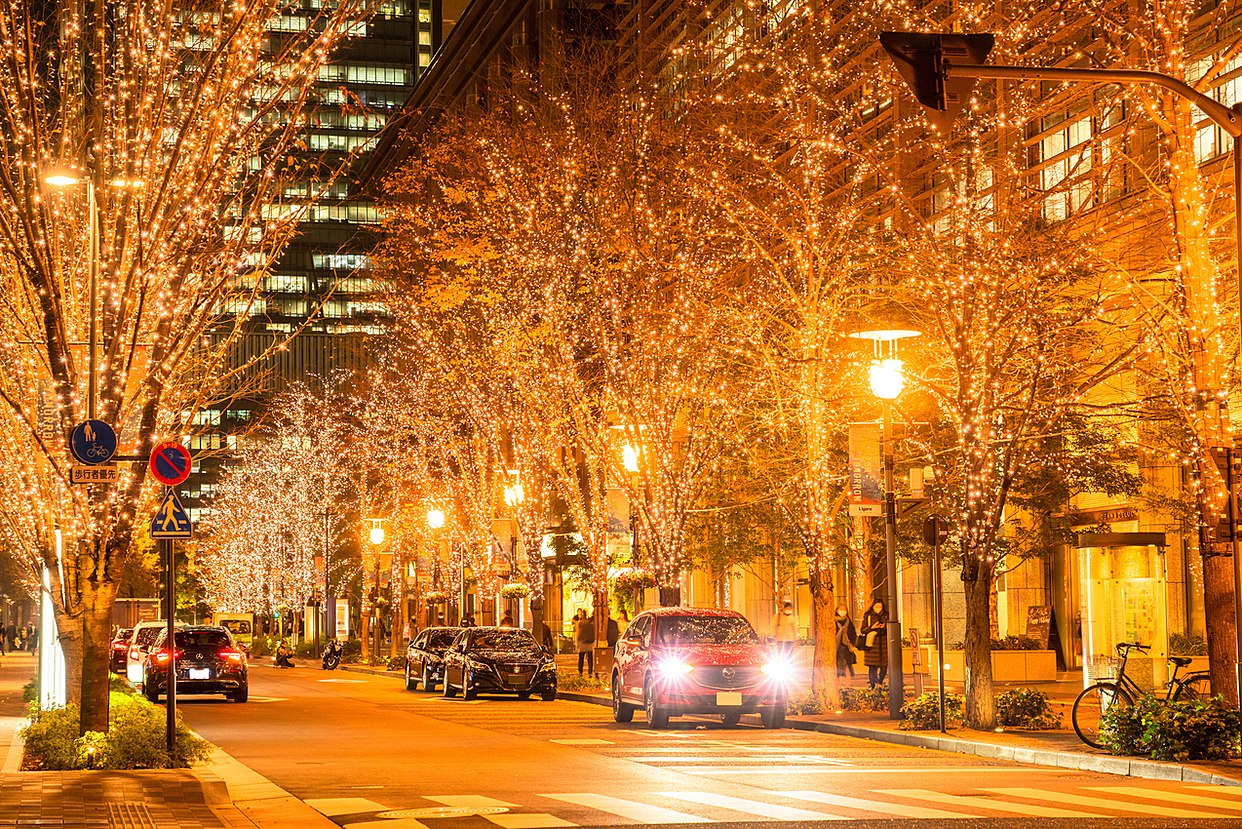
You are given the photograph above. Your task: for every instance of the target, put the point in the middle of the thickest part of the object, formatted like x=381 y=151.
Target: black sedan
x=493 y=660
x=208 y=661
x=424 y=658
x=120 y=646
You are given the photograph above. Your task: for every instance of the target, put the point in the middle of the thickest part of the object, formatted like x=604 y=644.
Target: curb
x=371 y=671
x=1123 y=766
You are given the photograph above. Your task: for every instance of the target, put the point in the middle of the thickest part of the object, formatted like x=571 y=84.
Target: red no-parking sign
x=170 y=463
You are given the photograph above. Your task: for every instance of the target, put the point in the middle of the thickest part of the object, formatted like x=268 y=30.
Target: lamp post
x=887 y=381
x=942 y=85
x=376 y=537
x=435 y=520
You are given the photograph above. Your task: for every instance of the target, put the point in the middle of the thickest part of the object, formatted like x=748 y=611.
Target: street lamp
x=376 y=537
x=435 y=520
x=887 y=381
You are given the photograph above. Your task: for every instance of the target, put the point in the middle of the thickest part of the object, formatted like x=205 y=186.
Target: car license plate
x=200 y=673
x=729 y=698
x=517 y=679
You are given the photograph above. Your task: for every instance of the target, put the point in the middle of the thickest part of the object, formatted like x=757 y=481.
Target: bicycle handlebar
x=1124 y=647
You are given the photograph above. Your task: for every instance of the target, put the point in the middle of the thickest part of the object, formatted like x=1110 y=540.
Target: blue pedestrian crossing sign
x=170 y=519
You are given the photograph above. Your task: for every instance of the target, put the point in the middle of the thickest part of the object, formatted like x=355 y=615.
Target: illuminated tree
x=184 y=118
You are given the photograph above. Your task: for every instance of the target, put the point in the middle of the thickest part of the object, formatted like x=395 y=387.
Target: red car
x=683 y=660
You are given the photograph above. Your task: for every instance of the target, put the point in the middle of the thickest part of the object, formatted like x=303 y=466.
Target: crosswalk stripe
x=895 y=809
x=528 y=820
x=1233 y=791
x=756 y=769
x=640 y=812
x=333 y=806
x=398 y=823
x=972 y=802
x=469 y=801
x=753 y=807
x=1095 y=802
x=1176 y=797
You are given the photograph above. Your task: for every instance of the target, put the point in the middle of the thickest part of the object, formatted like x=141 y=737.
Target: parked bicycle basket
x=1097 y=668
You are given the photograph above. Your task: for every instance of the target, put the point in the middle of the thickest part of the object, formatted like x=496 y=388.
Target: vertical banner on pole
x=866 y=469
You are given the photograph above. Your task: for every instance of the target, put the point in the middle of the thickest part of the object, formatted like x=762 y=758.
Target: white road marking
x=973 y=802
x=894 y=809
x=1176 y=797
x=253 y=698
x=752 y=807
x=752 y=758
x=469 y=801
x=1097 y=802
x=527 y=820
x=398 y=823
x=583 y=742
x=347 y=681
x=633 y=810
x=332 y=806
x=1234 y=791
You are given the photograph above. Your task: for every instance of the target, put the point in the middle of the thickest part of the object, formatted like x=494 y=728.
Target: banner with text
x=866 y=469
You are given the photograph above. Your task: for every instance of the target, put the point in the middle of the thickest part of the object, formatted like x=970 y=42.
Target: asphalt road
x=356 y=747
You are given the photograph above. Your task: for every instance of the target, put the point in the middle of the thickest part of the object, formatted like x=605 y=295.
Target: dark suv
x=208 y=660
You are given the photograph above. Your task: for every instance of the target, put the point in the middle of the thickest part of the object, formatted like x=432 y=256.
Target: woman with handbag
x=874 y=642
x=846 y=634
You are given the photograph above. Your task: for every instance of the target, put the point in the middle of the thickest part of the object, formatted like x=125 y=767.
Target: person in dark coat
x=875 y=650
x=846 y=635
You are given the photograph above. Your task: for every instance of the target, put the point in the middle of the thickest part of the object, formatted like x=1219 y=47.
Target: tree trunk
x=1218 y=606
x=97 y=601
x=824 y=684
x=670 y=596
x=69 y=635
x=364 y=634
x=980 y=707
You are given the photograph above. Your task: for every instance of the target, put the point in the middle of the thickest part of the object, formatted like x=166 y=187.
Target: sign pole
x=170 y=590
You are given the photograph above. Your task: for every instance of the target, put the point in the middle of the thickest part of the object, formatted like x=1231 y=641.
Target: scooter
x=332 y=655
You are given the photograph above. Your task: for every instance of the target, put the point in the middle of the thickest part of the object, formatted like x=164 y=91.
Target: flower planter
x=1007 y=666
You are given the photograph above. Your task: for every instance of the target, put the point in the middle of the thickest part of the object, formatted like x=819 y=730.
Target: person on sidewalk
x=874 y=642
x=283 y=655
x=507 y=621
x=586 y=643
x=846 y=635
x=785 y=630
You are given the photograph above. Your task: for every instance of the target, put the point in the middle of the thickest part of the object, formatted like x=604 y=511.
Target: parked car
x=424 y=658
x=208 y=660
x=120 y=649
x=680 y=660
x=140 y=642
x=495 y=660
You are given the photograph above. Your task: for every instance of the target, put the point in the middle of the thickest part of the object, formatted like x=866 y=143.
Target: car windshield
x=441 y=638
x=705 y=630
x=502 y=639
x=146 y=636
x=202 y=637
x=236 y=625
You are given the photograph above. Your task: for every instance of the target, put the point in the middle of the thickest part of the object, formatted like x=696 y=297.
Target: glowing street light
x=887 y=382
x=377 y=531
x=435 y=519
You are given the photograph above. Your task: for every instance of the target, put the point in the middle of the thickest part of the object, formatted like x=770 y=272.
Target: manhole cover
x=443 y=811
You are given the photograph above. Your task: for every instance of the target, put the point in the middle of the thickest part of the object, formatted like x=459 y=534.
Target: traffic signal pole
x=925 y=62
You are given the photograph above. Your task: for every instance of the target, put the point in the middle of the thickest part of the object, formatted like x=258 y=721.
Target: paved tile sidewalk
x=154 y=799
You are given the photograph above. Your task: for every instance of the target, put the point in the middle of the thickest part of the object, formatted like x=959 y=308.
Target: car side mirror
x=633 y=643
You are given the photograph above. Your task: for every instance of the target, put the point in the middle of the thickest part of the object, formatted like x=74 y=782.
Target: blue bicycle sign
x=93 y=442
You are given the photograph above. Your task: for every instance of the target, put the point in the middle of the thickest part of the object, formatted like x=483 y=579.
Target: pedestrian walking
x=33 y=639
x=623 y=624
x=549 y=644
x=586 y=643
x=873 y=640
x=785 y=629
x=846 y=635
x=11 y=632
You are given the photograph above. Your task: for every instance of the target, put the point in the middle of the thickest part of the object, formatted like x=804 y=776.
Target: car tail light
x=162 y=656
x=236 y=656
x=119 y=646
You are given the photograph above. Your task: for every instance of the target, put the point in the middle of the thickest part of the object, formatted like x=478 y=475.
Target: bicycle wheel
x=1193 y=687
x=1088 y=713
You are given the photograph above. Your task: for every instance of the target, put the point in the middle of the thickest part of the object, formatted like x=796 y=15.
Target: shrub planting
x=1026 y=708
x=1191 y=730
x=923 y=713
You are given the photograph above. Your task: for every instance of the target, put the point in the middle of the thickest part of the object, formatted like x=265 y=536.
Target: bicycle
x=1095 y=699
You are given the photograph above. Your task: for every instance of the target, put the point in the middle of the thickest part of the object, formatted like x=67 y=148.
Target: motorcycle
x=332 y=655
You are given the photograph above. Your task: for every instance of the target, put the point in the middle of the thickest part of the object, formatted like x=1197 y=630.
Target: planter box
x=1007 y=666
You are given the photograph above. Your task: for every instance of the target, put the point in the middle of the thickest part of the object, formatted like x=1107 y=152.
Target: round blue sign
x=93 y=442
